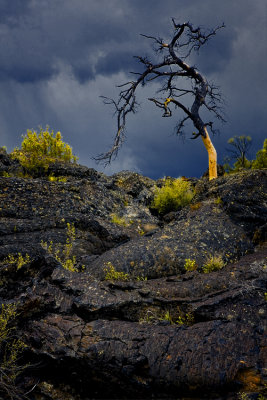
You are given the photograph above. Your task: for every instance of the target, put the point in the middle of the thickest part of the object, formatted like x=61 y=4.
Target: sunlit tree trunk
x=212 y=155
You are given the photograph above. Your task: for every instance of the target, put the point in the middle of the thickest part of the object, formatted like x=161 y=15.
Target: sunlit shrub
x=5 y=174
x=53 y=178
x=63 y=253
x=177 y=317
x=213 y=263
x=112 y=275
x=261 y=157
x=173 y=195
x=116 y=219
x=218 y=201
x=39 y=150
x=190 y=265
x=17 y=259
x=11 y=349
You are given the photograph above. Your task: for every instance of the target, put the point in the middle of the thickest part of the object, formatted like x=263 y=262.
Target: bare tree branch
x=172 y=69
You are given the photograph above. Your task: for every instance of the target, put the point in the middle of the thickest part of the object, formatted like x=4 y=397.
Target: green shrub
x=5 y=174
x=53 y=178
x=177 y=317
x=11 y=349
x=116 y=219
x=261 y=157
x=3 y=149
x=63 y=255
x=173 y=195
x=166 y=317
x=190 y=265
x=112 y=275
x=17 y=259
x=39 y=150
x=186 y=319
x=218 y=201
x=214 y=263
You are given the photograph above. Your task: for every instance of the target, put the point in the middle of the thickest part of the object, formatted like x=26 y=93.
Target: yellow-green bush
x=116 y=219
x=63 y=253
x=39 y=150
x=112 y=275
x=53 y=178
x=10 y=352
x=261 y=157
x=173 y=317
x=17 y=259
x=174 y=194
x=213 y=263
x=190 y=265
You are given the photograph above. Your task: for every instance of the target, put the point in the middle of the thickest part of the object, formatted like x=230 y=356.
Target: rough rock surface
x=164 y=333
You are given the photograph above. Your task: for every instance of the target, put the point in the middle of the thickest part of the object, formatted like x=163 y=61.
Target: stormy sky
x=57 y=57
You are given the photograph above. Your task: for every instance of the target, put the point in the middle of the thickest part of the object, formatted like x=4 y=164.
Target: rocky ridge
x=165 y=332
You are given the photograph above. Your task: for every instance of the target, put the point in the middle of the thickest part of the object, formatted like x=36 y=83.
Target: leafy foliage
x=10 y=352
x=39 y=150
x=177 y=317
x=116 y=219
x=112 y=275
x=53 y=178
x=173 y=195
x=17 y=259
x=63 y=255
x=240 y=146
x=213 y=263
x=261 y=157
x=190 y=265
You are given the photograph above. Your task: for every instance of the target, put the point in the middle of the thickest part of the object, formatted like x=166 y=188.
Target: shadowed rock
x=175 y=335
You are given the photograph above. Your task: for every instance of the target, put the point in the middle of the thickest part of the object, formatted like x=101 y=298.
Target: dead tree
x=240 y=146
x=171 y=69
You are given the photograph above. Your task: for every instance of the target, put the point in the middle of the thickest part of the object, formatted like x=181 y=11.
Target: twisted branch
x=173 y=68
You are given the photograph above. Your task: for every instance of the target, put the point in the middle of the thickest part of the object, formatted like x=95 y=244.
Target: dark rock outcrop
x=164 y=332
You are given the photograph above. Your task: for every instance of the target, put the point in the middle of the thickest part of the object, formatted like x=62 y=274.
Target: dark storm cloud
x=12 y=10
x=37 y=39
x=58 y=56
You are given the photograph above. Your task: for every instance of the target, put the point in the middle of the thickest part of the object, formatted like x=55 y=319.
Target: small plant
x=195 y=206
x=5 y=174
x=166 y=317
x=141 y=278
x=53 y=178
x=243 y=396
x=185 y=318
x=173 y=195
x=17 y=259
x=11 y=349
x=39 y=150
x=64 y=255
x=214 y=263
x=190 y=265
x=112 y=275
x=261 y=157
x=115 y=219
x=147 y=318
x=176 y=318
x=218 y=201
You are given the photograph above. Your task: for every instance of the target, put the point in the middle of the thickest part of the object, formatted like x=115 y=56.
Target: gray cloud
x=57 y=57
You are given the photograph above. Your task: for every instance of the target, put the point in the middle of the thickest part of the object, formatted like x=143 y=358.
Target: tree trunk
x=212 y=155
